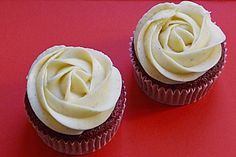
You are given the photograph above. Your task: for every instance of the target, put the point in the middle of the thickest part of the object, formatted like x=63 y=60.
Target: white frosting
x=176 y=43
x=72 y=89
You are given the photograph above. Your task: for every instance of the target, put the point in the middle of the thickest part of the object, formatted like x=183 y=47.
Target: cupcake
x=177 y=52
x=75 y=99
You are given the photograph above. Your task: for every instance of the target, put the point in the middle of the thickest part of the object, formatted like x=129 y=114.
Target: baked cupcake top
x=72 y=89
x=176 y=43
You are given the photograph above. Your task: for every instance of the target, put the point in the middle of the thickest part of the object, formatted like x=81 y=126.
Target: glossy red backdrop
x=206 y=128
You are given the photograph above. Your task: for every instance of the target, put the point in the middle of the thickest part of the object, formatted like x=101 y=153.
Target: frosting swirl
x=77 y=87
x=176 y=43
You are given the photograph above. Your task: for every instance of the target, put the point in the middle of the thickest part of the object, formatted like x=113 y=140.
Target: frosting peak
x=176 y=43
x=77 y=87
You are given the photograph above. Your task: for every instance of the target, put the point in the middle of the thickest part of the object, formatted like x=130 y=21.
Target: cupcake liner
x=85 y=143
x=172 y=96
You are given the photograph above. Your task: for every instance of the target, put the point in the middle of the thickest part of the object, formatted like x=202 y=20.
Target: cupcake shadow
x=139 y=104
x=32 y=145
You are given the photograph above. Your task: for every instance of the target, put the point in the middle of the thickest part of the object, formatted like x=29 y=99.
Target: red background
x=203 y=129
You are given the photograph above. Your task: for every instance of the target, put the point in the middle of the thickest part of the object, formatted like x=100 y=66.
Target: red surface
x=204 y=129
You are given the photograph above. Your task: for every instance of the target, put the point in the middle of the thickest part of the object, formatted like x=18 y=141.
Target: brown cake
x=87 y=142
x=176 y=94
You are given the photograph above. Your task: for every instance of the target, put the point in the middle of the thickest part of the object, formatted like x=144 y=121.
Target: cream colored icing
x=176 y=43
x=72 y=89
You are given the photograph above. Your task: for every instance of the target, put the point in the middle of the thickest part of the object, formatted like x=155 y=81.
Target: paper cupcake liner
x=92 y=143
x=167 y=95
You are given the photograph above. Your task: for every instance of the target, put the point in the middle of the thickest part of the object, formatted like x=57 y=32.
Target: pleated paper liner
x=179 y=94
x=89 y=141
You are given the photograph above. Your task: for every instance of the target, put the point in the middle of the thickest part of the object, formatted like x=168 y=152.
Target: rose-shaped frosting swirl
x=176 y=43
x=77 y=87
